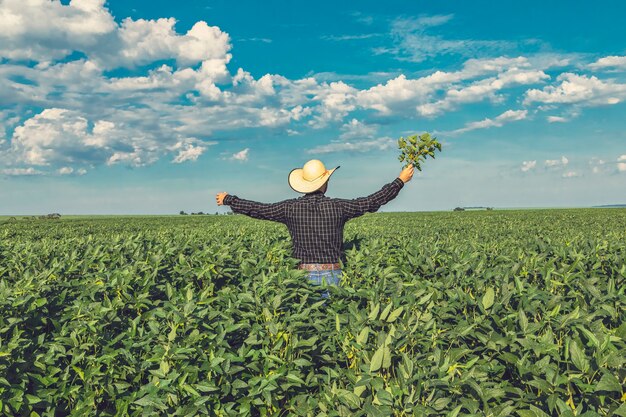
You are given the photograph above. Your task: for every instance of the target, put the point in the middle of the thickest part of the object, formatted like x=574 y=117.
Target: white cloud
x=65 y=138
x=499 y=121
x=570 y=174
x=360 y=146
x=555 y=163
x=44 y=30
x=71 y=171
x=188 y=150
x=621 y=163
x=50 y=136
x=264 y=86
x=241 y=156
x=351 y=37
x=485 y=89
x=356 y=129
x=142 y=41
x=598 y=166
x=398 y=94
x=557 y=119
x=411 y=41
x=528 y=165
x=396 y=91
x=263 y=40
x=608 y=62
x=336 y=99
x=579 y=89
x=189 y=154
x=21 y=171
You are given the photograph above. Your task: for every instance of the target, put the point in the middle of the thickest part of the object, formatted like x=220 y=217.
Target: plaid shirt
x=315 y=221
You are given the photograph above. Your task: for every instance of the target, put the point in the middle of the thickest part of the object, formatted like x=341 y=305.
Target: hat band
x=315 y=179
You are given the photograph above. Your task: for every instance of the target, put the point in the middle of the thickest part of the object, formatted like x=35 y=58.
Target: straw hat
x=310 y=177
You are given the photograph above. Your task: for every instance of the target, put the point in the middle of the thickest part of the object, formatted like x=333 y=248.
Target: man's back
x=315 y=221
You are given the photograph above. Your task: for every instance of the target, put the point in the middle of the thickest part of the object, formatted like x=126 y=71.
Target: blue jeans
x=325 y=278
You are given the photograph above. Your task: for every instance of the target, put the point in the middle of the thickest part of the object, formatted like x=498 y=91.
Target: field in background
x=472 y=313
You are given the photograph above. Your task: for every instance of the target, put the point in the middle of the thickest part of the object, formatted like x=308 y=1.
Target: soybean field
x=496 y=313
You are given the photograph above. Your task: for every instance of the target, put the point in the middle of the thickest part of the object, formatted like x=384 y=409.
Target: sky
x=152 y=107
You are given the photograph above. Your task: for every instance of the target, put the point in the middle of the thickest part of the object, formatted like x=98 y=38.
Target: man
x=315 y=221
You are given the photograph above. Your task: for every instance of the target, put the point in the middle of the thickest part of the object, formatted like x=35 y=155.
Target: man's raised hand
x=219 y=198
x=406 y=174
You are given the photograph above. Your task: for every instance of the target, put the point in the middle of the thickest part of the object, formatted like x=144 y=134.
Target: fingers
x=407 y=174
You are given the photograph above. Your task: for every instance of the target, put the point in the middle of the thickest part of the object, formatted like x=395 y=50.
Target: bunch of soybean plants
x=416 y=148
x=493 y=313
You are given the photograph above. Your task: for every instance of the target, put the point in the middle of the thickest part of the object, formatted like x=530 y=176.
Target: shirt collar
x=313 y=194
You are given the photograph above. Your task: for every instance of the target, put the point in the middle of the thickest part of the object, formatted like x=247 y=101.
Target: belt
x=319 y=267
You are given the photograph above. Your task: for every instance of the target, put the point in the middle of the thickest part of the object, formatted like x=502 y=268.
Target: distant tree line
x=51 y=216
x=472 y=208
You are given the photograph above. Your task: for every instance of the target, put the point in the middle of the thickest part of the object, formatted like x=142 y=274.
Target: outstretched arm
x=371 y=203
x=263 y=211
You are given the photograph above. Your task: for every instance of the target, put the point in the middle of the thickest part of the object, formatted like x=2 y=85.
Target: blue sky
x=144 y=107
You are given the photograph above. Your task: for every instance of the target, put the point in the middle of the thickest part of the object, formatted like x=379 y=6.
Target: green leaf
x=377 y=359
x=382 y=397
x=578 y=356
x=488 y=298
x=146 y=401
x=374 y=312
x=359 y=390
x=349 y=398
x=609 y=383
x=295 y=378
x=32 y=399
x=386 y=311
x=239 y=384
x=590 y=336
x=361 y=339
x=79 y=371
x=386 y=357
x=302 y=362
x=172 y=334
x=621 y=411
x=395 y=314
x=532 y=412
x=523 y=320
x=191 y=390
x=455 y=412
x=165 y=367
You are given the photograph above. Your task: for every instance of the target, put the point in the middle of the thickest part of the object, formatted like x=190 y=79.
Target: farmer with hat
x=315 y=221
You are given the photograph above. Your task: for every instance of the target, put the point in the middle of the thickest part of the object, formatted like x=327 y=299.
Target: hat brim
x=300 y=185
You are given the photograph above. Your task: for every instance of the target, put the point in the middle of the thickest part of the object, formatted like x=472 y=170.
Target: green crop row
x=457 y=314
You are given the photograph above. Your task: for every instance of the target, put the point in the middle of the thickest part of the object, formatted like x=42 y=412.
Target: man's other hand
x=406 y=174
x=219 y=198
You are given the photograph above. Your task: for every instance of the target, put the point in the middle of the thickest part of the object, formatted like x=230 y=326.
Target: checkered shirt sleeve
x=273 y=211
x=359 y=206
